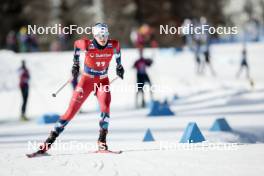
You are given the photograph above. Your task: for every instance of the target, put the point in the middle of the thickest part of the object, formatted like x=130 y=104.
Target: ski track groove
x=160 y=165
x=101 y=166
x=116 y=173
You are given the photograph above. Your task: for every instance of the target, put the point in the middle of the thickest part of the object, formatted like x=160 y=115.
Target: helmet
x=100 y=30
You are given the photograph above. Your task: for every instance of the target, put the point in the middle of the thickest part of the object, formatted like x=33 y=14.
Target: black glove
x=120 y=71
x=75 y=70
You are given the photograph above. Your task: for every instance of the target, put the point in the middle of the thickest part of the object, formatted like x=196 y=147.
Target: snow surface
x=202 y=99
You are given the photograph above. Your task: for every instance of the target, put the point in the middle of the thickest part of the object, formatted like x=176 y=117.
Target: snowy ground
x=201 y=99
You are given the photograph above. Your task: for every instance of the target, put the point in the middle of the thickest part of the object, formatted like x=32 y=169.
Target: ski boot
x=102 y=140
x=24 y=118
x=45 y=146
x=49 y=141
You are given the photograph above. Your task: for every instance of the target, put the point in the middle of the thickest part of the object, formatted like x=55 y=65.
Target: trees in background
x=122 y=16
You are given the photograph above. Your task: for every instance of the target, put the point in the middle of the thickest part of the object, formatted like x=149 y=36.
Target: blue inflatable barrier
x=48 y=118
x=192 y=134
x=221 y=124
x=160 y=109
x=148 y=136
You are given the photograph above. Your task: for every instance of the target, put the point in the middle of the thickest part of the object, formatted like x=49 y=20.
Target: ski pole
x=62 y=86
x=113 y=80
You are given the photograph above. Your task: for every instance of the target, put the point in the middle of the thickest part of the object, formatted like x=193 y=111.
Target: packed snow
x=201 y=99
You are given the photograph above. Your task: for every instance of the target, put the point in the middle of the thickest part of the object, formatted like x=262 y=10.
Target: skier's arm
x=76 y=63
x=117 y=53
x=119 y=68
x=148 y=62
x=78 y=46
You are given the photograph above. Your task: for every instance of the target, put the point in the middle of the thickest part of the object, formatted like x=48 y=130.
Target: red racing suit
x=96 y=63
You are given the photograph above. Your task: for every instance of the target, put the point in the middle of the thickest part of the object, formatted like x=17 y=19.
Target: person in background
x=27 y=42
x=207 y=61
x=142 y=76
x=144 y=36
x=23 y=40
x=24 y=78
x=201 y=46
x=197 y=48
x=244 y=65
x=198 y=61
x=11 y=41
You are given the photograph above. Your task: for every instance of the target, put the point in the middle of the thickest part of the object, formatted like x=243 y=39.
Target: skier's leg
x=239 y=72
x=212 y=69
x=140 y=82
x=143 y=103
x=104 y=98
x=198 y=64
x=247 y=72
x=202 y=66
x=150 y=87
x=26 y=100
x=140 y=92
x=139 y=96
x=136 y=103
x=82 y=91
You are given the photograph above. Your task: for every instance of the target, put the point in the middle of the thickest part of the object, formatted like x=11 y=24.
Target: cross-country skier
x=244 y=65
x=207 y=60
x=142 y=76
x=99 y=53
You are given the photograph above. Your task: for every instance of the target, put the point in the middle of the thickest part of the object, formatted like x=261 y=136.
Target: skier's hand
x=120 y=71
x=75 y=70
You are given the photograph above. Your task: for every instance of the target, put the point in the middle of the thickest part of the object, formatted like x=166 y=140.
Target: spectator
x=142 y=76
x=24 y=78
